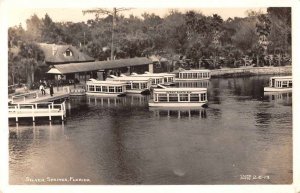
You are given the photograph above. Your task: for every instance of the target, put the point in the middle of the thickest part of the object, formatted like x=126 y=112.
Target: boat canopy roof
x=281 y=77
x=162 y=74
x=130 y=78
x=147 y=75
x=107 y=82
x=194 y=71
x=180 y=89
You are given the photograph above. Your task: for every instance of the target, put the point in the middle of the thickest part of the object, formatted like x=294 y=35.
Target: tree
x=113 y=13
x=31 y=55
x=34 y=28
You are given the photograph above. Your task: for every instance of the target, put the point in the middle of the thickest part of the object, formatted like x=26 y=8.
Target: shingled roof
x=55 y=54
x=98 y=65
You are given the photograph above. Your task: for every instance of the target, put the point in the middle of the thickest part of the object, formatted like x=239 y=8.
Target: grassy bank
x=250 y=71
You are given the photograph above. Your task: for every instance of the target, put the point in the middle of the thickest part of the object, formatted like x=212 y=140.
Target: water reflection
x=132 y=100
x=193 y=84
x=122 y=141
x=279 y=97
x=178 y=113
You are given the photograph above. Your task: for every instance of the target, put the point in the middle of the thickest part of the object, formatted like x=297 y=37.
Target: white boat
x=134 y=85
x=169 y=79
x=279 y=84
x=192 y=75
x=179 y=97
x=155 y=78
x=105 y=88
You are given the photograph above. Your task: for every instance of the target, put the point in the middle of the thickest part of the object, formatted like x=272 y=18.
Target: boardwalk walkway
x=36 y=96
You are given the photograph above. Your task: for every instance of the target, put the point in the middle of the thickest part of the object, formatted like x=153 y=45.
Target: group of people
x=43 y=86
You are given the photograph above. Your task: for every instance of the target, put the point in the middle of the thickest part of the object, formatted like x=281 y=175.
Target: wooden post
x=16 y=109
x=33 y=118
x=49 y=110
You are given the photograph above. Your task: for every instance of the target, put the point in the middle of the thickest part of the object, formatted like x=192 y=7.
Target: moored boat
x=169 y=79
x=134 y=85
x=179 y=97
x=192 y=75
x=279 y=84
x=155 y=78
x=105 y=88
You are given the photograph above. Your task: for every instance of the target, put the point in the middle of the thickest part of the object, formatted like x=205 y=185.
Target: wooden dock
x=35 y=110
x=35 y=105
x=37 y=97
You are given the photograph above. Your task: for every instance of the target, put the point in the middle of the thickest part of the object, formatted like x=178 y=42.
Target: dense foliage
x=204 y=41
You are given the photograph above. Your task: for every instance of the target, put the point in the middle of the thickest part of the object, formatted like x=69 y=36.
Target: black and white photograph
x=130 y=95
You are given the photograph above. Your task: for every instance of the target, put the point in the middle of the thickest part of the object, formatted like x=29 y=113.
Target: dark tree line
x=205 y=41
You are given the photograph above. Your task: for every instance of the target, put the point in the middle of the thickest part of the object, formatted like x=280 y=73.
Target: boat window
x=200 y=75
x=135 y=86
x=119 y=89
x=111 y=89
x=128 y=86
x=173 y=97
x=183 y=97
x=162 y=97
x=98 y=88
x=184 y=75
x=143 y=85
x=91 y=88
x=290 y=84
x=155 y=97
x=203 y=97
x=166 y=79
x=284 y=84
x=194 y=97
x=153 y=81
x=278 y=84
x=104 y=88
x=204 y=75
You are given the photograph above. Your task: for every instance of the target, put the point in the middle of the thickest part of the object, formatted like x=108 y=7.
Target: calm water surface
x=122 y=141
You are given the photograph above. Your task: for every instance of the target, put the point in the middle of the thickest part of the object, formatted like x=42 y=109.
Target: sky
x=19 y=15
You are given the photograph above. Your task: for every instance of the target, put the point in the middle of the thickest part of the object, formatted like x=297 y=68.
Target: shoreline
x=250 y=71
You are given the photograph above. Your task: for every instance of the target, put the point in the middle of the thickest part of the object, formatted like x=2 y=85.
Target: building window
x=68 y=53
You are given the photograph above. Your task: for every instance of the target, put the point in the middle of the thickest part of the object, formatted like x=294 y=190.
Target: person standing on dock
x=42 y=89
x=51 y=89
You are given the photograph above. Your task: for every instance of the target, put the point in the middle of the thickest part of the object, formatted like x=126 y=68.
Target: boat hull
x=177 y=104
x=143 y=92
x=271 y=89
x=191 y=79
x=106 y=94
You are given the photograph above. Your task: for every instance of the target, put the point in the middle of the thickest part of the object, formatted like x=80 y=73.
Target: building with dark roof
x=62 y=54
x=101 y=69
